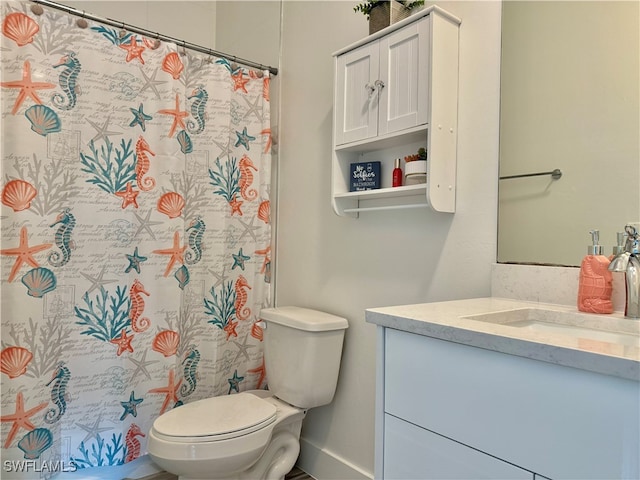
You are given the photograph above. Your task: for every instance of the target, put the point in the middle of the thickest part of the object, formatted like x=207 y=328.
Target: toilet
x=256 y=434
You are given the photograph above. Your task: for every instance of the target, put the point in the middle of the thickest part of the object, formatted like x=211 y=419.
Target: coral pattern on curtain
x=135 y=251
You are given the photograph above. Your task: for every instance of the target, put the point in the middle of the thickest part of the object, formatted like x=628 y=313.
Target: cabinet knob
x=377 y=85
x=370 y=89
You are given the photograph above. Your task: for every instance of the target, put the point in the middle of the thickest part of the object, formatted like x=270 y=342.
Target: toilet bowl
x=256 y=434
x=229 y=437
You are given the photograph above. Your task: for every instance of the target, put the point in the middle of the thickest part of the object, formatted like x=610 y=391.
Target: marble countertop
x=447 y=321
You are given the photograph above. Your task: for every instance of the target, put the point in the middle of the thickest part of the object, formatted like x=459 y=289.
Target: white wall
x=192 y=21
x=220 y=25
x=345 y=265
x=261 y=18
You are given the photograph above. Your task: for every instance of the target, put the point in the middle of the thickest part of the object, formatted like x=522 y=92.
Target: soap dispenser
x=619 y=248
x=595 y=284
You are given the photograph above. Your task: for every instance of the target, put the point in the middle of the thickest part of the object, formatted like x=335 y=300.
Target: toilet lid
x=221 y=417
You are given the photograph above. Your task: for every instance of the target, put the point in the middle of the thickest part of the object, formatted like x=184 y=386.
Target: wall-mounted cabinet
x=396 y=91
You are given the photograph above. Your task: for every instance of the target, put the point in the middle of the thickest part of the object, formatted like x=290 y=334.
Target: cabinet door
x=356 y=102
x=404 y=70
x=411 y=452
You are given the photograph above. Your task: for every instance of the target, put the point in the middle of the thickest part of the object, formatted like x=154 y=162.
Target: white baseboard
x=322 y=464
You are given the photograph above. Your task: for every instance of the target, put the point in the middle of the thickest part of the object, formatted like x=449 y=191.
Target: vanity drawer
x=557 y=421
x=412 y=452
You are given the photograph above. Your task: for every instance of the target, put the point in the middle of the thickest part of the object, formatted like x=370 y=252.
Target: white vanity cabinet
x=394 y=92
x=448 y=410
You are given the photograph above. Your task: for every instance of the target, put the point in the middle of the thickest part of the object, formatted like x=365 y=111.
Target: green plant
x=368 y=5
x=421 y=155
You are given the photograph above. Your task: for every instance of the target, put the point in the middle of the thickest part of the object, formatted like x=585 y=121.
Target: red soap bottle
x=397 y=174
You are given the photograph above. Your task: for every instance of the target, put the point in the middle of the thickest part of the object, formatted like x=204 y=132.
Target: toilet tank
x=302 y=350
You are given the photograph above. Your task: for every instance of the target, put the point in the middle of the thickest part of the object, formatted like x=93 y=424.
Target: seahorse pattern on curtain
x=135 y=234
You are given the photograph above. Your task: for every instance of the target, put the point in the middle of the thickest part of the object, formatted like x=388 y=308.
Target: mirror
x=570 y=78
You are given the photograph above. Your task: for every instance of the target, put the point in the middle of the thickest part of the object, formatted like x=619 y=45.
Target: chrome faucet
x=629 y=262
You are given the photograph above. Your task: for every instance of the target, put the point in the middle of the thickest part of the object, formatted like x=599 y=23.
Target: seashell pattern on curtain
x=135 y=230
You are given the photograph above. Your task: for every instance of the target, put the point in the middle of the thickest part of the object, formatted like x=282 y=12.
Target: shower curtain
x=135 y=252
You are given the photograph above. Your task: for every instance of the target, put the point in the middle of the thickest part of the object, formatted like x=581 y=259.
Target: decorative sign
x=364 y=176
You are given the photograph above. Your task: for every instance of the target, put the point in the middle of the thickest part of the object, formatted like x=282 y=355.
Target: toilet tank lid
x=304 y=319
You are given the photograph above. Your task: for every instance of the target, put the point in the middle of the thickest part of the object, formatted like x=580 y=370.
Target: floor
x=295 y=474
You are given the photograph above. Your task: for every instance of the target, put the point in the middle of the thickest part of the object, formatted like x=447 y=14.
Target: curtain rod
x=159 y=36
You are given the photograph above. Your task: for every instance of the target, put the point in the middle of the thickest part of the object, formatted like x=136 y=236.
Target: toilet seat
x=214 y=419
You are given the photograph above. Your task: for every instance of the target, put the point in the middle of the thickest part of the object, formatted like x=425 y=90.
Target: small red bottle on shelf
x=397 y=175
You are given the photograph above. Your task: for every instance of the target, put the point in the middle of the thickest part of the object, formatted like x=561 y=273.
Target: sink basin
x=572 y=324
